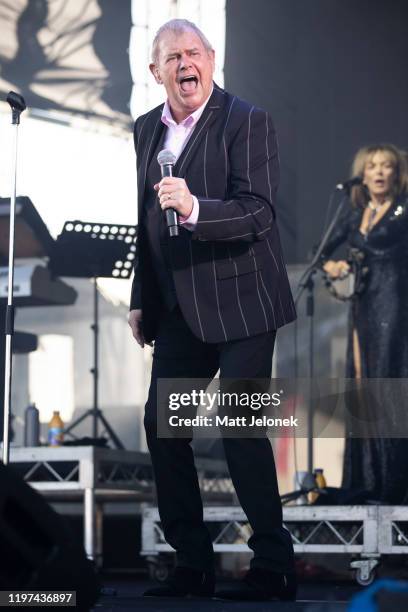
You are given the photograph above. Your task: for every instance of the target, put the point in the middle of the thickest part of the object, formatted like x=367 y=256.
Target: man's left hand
x=174 y=193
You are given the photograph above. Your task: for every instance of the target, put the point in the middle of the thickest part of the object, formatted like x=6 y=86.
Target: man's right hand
x=135 y=323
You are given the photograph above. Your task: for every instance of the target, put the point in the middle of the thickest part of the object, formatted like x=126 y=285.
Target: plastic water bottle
x=31 y=426
x=55 y=430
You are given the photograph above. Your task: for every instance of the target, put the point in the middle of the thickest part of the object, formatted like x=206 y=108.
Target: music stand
x=94 y=250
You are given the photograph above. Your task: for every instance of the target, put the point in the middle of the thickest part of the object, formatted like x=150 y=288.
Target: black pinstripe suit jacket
x=229 y=273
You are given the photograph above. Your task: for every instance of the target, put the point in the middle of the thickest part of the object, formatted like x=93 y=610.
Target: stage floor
x=325 y=597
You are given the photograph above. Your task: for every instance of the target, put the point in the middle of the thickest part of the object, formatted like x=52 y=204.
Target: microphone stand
x=312 y=267
x=17 y=105
x=307 y=282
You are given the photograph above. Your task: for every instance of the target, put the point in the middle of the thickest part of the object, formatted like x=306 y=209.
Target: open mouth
x=189 y=84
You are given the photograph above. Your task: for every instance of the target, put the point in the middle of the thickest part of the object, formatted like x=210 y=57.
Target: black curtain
x=332 y=73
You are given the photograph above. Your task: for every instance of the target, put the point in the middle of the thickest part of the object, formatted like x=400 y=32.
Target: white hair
x=178 y=26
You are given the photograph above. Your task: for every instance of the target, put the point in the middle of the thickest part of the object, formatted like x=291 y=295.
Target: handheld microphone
x=166 y=160
x=347 y=185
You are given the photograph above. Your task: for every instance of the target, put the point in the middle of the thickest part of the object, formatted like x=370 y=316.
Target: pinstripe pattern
x=277 y=267
x=216 y=295
x=267 y=165
x=267 y=155
x=269 y=299
x=195 y=293
x=228 y=116
x=224 y=144
x=205 y=165
x=257 y=285
x=233 y=218
x=267 y=229
x=249 y=134
x=272 y=253
x=231 y=273
x=239 y=299
x=190 y=143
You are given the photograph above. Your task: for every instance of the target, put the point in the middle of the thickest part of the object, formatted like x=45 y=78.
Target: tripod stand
x=95 y=412
x=92 y=250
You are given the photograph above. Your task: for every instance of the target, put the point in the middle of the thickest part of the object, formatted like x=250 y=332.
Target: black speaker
x=38 y=550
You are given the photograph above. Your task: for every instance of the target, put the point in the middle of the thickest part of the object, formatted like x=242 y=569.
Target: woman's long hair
x=399 y=159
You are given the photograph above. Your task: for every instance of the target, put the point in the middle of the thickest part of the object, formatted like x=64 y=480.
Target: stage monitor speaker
x=38 y=551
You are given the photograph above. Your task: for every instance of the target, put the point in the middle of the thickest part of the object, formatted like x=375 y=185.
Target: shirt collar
x=190 y=121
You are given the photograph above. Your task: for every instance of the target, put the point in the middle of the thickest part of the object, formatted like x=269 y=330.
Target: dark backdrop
x=333 y=75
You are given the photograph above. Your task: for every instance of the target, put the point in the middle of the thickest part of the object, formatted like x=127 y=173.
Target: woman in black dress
x=375 y=226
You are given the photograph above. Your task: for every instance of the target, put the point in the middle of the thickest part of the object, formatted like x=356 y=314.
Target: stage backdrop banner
x=68 y=56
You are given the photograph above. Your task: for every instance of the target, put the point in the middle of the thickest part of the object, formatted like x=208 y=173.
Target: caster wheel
x=363 y=578
x=158 y=571
x=162 y=572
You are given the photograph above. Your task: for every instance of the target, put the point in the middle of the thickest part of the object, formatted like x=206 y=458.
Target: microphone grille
x=166 y=158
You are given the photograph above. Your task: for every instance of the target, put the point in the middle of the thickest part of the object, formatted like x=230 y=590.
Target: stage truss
x=95 y=476
x=365 y=532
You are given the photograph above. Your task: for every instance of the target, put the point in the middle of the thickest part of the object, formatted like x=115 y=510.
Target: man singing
x=211 y=298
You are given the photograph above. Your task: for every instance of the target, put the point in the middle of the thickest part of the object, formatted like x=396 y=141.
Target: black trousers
x=179 y=354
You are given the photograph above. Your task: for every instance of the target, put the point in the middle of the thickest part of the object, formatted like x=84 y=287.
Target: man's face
x=185 y=68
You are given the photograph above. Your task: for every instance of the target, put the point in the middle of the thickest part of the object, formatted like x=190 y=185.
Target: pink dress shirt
x=176 y=139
